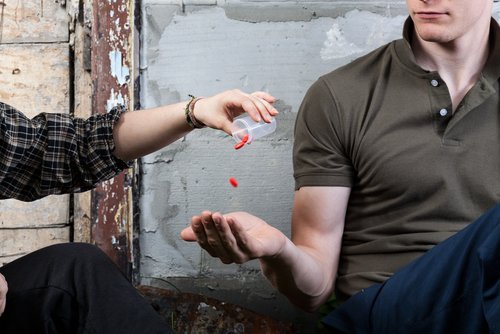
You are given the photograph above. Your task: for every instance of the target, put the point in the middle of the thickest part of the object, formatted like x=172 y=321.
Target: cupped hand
x=235 y=237
x=218 y=111
x=3 y=293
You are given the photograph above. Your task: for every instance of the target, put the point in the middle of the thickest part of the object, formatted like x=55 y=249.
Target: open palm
x=235 y=237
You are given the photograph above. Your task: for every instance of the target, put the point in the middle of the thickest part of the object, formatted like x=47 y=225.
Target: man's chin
x=435 y=36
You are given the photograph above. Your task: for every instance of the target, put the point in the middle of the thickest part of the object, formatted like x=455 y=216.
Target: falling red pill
x=244 y=139
x=239 y=145
x=233 y=182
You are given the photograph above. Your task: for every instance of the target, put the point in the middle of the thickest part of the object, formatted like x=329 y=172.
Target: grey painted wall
x=202 y=47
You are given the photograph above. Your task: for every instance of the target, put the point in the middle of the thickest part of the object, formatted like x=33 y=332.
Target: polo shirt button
x=434 y=83
x=443 y=112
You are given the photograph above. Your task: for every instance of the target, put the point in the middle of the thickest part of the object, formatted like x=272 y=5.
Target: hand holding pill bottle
x=245 y=127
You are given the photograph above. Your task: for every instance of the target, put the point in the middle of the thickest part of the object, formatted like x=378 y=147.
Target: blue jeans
x=453 y=288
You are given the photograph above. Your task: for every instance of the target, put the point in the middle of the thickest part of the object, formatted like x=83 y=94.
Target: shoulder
x=362 y=72
x=340 y=98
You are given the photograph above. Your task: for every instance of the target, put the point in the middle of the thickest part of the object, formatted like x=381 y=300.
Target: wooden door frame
x=105 y=73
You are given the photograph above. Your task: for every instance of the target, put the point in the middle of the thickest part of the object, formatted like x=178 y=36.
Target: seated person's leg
x=73 y=288
x=453 y=288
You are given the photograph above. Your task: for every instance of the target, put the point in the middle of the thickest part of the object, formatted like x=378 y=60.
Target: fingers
x=267 y=101
x=213 y=234
x=199 y=232
x=187 y=234
x=223 y=241
x=265 y=96
x=259 y=106
x=206 y=229
x=219 y=111
x=239 y=234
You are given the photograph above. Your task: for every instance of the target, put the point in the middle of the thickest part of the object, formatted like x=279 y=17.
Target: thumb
x=187 y=234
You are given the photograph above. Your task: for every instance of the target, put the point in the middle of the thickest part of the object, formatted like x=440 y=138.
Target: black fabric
x=73 y=288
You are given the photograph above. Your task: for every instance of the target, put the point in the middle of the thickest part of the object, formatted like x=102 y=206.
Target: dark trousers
x=73 y=288
x=453 y=288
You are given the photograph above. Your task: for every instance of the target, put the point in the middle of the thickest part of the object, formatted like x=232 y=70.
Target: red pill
x=233 y=182
x=244 y=139
x=239 y=145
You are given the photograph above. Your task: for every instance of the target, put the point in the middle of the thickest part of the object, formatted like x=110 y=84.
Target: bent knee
x=73 y=251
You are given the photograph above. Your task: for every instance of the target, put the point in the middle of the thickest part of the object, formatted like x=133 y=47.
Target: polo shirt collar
x=492 y=67
x=491 y=70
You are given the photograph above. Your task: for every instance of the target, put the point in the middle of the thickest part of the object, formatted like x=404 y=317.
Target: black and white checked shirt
x=55 y=153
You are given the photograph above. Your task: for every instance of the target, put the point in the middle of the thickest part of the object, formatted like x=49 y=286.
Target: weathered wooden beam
x=81 y=14
x=33 y=22
x=112 y=37
x=15 y=243
x=34 y=78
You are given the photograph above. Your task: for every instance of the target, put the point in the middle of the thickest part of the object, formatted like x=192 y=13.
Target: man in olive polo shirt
x=394 y=154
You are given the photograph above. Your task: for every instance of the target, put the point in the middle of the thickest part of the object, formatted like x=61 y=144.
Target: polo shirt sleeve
x=319 y=157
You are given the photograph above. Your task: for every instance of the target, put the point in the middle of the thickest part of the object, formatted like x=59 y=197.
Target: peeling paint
x=112 y=63
x=118 y=70
x=114 y=100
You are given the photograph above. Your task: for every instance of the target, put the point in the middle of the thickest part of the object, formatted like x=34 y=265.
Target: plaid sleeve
x=55 y=153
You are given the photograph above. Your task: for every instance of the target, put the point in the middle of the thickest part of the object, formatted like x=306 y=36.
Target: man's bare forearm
x=300 y=276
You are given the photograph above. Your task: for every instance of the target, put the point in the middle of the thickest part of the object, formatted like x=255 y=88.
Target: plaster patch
x=496 y=10
x=336 y=45
x=235 y=54
x=360 y=32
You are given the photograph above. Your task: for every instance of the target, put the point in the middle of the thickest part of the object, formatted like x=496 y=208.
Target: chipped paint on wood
x=120 y=72
x=112 y=59
x=114 y=100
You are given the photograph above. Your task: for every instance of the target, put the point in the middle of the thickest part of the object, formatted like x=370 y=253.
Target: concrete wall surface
x=202 y=47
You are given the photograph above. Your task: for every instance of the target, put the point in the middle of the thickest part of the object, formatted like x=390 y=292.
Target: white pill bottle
x=245 y=126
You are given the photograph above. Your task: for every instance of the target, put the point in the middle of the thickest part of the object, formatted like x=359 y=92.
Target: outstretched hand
x=235 y=237
x=218 y=111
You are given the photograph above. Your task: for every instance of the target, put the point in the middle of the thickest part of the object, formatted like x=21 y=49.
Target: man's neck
x=459 y=63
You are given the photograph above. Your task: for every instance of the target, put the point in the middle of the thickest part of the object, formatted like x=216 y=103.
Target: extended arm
x=142 y=132
x=303 y=268
x=57 y=153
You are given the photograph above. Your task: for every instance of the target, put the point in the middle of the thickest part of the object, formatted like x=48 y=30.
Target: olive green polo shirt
x=418 y=173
